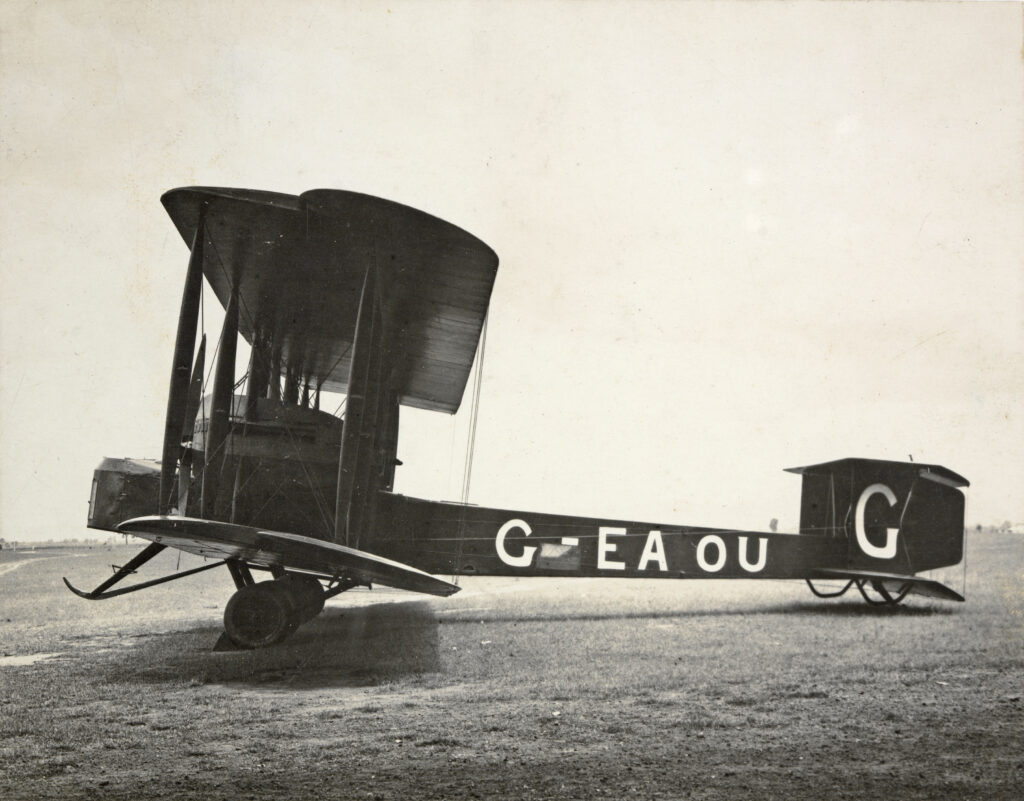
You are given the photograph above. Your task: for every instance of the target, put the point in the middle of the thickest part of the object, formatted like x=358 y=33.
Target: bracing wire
x=467 y=474
x=202 y=324
x=318 y=497
x=451 y=459
x=202 y=308
x=474 y=416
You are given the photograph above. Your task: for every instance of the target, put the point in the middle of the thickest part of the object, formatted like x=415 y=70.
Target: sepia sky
x=734 y=237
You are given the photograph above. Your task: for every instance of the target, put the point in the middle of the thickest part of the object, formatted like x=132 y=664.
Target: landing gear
x=266 y=612
x=259 y=615
x=309 y=594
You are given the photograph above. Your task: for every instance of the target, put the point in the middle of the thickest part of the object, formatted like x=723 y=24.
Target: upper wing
x=210 y=538
x=299 y=262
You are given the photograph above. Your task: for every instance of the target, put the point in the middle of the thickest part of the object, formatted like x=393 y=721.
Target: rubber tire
x=290 y=599
x=259 y=615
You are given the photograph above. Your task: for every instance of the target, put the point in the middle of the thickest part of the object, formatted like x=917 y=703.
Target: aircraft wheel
x=309 y=594
x=291 y=600
x=259 y=615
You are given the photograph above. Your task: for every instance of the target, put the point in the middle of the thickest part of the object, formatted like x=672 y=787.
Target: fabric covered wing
x=210 y=538
x=299 y=262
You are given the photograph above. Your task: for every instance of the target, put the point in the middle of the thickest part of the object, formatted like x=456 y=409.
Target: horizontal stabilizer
x=256 y=546
x=894 y=583
x=932 y=472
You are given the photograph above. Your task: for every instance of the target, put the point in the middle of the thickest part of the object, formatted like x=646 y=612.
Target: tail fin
x=897 y=517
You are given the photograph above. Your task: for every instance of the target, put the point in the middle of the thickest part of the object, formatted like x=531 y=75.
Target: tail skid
x=892 y=587
x=897 y=518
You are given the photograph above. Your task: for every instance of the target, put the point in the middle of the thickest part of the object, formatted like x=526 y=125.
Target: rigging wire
x=243 y=307
x=246 y=313
x=474 y=416
x=337 y=361
x=467 y=474
x=451 y=460
x=207 y=376
x=318 y=497
x=206 y=382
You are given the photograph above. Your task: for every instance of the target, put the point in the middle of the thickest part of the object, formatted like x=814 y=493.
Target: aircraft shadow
x=809 y=608
x=855 y=607
x=378 y=643
x=353 y=646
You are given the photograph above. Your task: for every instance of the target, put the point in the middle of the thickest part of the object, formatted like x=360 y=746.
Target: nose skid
x=103 y=591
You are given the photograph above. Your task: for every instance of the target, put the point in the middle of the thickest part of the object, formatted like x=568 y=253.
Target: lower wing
x=257 y=546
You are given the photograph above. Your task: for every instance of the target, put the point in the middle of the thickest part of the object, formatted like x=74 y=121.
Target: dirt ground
x=518 y=689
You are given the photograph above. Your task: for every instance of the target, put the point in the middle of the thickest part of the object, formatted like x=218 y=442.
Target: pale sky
x=733 y=237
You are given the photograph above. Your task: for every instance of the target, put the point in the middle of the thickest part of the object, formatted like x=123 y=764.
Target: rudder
x=897 y=517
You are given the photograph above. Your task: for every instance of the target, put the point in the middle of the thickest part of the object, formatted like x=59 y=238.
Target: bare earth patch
x=535 y=689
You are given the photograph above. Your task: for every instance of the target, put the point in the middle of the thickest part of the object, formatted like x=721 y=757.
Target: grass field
x=537 y=688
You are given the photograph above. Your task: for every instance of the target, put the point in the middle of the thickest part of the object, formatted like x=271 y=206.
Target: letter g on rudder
x=887 y=551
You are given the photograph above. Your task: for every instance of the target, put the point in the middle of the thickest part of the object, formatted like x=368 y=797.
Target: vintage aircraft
x=342 y=292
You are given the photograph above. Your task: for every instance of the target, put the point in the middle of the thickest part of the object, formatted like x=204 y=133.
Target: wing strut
x=184 y=345
x=140 y=559
x=195 y=392
x=219 y=432
x=360 y=384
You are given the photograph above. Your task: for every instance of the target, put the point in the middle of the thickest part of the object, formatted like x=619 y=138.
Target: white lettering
x=702 y=546
x=762 y=555
x=604 y=548
x=523 y=560
x=887 y=551
x=654 y=551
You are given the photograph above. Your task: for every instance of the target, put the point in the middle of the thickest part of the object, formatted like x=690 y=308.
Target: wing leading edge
x=256 y=546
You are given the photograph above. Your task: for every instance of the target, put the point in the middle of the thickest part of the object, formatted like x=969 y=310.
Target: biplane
x=340 y=292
